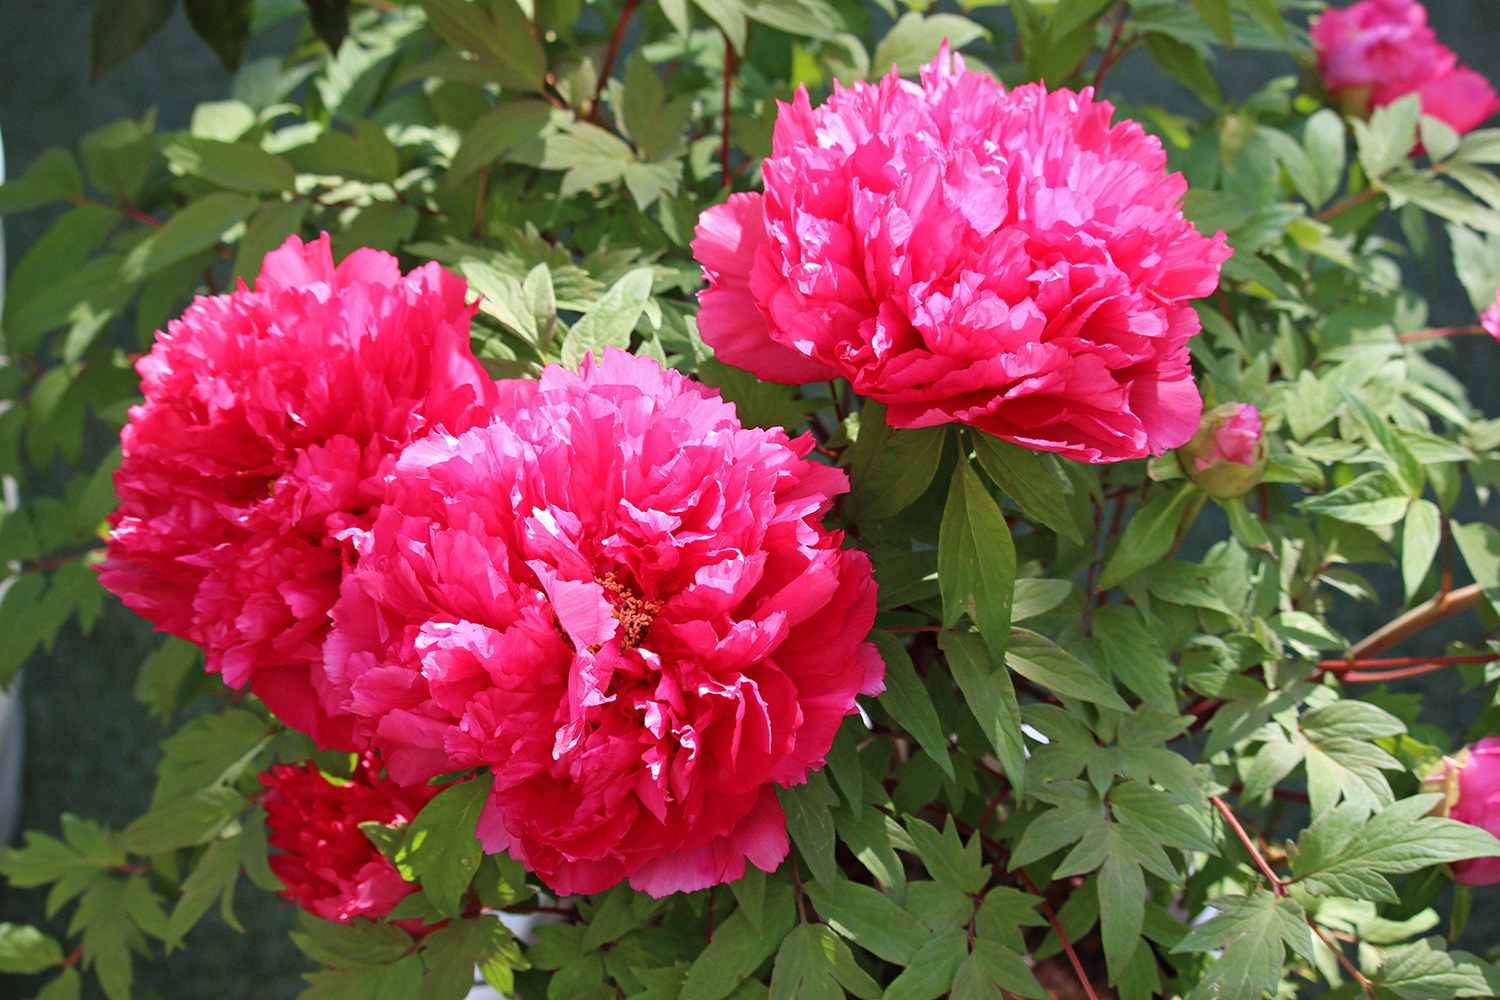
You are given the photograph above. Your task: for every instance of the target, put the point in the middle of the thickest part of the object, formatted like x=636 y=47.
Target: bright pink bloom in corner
x=1376 y=51
x=272 y=418
x=328 y=865
x=1490 y=318
x=1008 y=261
x=625 y=605
x=1470 y=781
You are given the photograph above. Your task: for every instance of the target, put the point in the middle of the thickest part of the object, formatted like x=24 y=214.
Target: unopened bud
x=1228 y=454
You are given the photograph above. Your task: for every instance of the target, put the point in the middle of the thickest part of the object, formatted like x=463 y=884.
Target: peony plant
x=746 y=481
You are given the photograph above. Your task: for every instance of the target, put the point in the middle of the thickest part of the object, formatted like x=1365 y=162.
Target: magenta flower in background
x=624 y=604
x=1009 y=261
x=1376 y=51
x=272 y=418
x=1470 y=781
x=1490 y=318
x=328 y=865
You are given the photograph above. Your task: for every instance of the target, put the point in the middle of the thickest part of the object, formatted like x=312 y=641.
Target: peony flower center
x=634 y=612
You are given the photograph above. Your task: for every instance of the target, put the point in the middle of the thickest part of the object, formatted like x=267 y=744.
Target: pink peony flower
x=1376 y=51
x=1490 y=318
x=271 y=421
x=1470 y=781
x=622 y=603
x=328 y=865
x=1008 y=261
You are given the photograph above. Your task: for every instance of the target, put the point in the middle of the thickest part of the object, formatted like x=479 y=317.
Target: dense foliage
x=1124 y=747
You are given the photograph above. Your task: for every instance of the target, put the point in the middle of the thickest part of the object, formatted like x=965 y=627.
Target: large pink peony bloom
x=1008 y=261
x=328 y=865
x=622 y=603
x=271 y=421
x=1375 y=51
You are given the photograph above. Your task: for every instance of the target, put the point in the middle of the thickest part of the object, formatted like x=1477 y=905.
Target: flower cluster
x=328 y=865
x=600 y=586
x=1376 y=51
x=1011 y=261
x=271 y=422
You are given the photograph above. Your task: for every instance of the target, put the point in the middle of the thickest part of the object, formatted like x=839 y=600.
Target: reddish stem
x=1391 y=662
x=1255 y=854
x=1083 y=977
x=1348 y=203
x=1363 y=677
x=484 y=182
x=1110 y=56
x=1418 y=618
x=1439 y=332
x=728 y=79
x=610 y=54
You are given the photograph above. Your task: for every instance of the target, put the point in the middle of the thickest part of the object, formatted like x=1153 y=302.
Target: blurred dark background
x=91 y=748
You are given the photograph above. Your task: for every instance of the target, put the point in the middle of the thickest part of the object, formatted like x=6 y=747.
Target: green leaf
x=888 y=468
x=162 y=673
x=500 y=131
x=1422 y=970
x=914 y=41
x=976 y=560
x=440 y=849
x=1164 y=816
x=363 y=943
x=813 y=964
x=1151 y=532
x=1020 y=473
x=930 y=973
x=1374 y=499
x=869 y=918
x=1219 y=18
x=758 y=403
x=737 y=950
x=1421 y=531
x=118 y=157
x=52 y=177
x=947 y=859
x=499 y=33
x=1480 y=545
x=67 y=986
x=992 y=698
x=1253 y=932
x=366 y=155
x=1347 y=852
x=185 y=821
x=1042 y=661
x=214 y=748
x=1122 y=911
x=810 y=823
x=213 y=877
x=329 y=20
x=1181 y=62
x=398 y=980
x=197 y=227
x=611 y=320
x=1352 y=719
x=1386 y=140
x=908 y=701
x=25 y=951
x=240 y=166
x=121 y=28
x=224 y=25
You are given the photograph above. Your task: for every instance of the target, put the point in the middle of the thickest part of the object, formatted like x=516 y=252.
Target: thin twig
x=610 y=54
x=1439 y=332
x=1338 y=953
x=1348 y=203
x=1397 y=662
x=484 y=183
x=1110 y=56
x=1415 y=620
x=728 y=79
x=1379 y=676
x=1255 y=854
x=1083 y=977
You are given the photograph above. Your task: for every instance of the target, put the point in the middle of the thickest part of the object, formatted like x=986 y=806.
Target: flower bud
x=1228 y=454
x=1470 y=783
